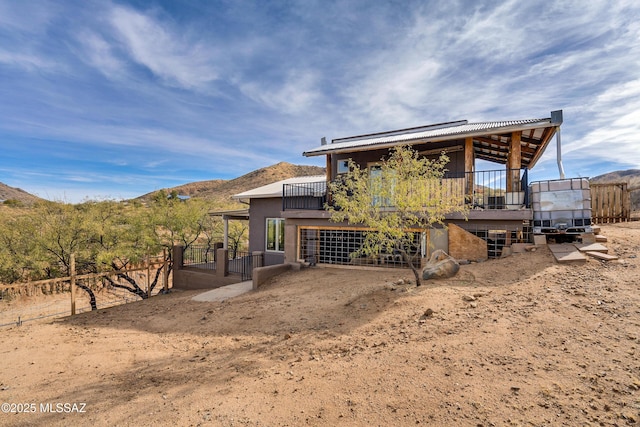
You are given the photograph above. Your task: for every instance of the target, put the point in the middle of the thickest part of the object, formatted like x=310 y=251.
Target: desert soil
x=515 y=341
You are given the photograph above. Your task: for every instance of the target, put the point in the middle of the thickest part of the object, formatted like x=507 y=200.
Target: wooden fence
x=610 y=203
x=63 y=296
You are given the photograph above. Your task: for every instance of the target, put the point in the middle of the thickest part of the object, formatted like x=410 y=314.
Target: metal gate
x=244 y=263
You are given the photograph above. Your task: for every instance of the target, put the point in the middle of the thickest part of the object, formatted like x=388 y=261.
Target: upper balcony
x=482 y=190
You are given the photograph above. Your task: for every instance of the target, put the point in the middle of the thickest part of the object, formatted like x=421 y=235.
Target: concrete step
x=567 y=253
x=602 y=256
x=593 y=247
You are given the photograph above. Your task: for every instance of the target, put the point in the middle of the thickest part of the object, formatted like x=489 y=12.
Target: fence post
x=72 y=282
x=148 y=265
x=165 y=268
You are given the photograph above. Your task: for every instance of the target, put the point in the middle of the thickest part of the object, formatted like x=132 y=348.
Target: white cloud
x=616 y=94
x=295 y=95
x=100 y=54
x=27 y=61
x=27 y=17
x=163 y=50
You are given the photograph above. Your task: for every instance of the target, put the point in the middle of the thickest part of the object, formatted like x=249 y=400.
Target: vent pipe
x=559 y=155
x=323 y=141
x=556 y=119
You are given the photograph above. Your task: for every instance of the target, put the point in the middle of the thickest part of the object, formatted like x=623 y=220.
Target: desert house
x=289 y=220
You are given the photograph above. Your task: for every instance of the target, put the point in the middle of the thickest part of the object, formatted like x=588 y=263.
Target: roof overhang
x=491 y=140
x=239 y=214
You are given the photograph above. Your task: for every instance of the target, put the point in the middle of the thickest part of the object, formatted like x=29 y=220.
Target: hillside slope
x=219 y=191
x=11 y=193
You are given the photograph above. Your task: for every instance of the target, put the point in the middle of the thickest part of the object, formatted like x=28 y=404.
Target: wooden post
x=514 y=160
x=469 y=166
x=329 y=173
x=165 y=271
x=72 y=281
x=148 y=277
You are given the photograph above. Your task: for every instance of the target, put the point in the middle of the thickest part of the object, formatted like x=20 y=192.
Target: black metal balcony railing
x=204 y=257
x=305 y=196
x=494 y=189
x=199 y=256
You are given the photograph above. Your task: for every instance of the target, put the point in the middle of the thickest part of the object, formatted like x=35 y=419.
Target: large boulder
x=440 y=266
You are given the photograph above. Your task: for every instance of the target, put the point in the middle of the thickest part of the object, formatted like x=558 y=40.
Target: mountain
x=630 y=176
x=10 y=194
x=220 y=190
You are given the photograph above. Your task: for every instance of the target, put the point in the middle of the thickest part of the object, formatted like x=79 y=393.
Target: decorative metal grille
x=336 y=246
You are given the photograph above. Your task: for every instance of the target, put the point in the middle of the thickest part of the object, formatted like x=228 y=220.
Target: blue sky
x=114 y=99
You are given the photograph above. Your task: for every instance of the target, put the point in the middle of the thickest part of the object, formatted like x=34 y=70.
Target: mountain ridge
x=221 y=190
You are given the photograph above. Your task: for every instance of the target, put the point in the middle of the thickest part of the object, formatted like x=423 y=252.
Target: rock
x=440 y=266
x=468 y=298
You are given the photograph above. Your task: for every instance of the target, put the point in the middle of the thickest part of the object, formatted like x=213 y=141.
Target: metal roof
x=490 y=139
x=275 y=189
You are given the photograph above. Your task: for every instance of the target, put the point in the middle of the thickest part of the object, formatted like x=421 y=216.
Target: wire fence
x=50 y=299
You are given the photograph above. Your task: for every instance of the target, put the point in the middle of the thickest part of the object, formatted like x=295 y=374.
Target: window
x=381 y=194
x=275 y=234
x=343 y=166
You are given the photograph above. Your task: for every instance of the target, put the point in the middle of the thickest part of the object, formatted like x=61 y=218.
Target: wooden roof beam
x=547 y=134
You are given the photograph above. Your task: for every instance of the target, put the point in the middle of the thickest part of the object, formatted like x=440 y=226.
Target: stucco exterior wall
x=259 y=211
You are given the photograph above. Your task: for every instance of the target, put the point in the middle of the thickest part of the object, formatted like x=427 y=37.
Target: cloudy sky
x=113 y=99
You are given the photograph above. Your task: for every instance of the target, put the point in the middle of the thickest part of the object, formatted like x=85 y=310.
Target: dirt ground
x=516 y=341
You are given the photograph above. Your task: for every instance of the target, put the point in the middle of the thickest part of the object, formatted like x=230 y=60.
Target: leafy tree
x=403 y=195
x=166 y=222
x=60 y=230
x=212 y=231
x=15 y=261
x=121 y=238
x=237 y=236
x=104 y=236
x=178 y=222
